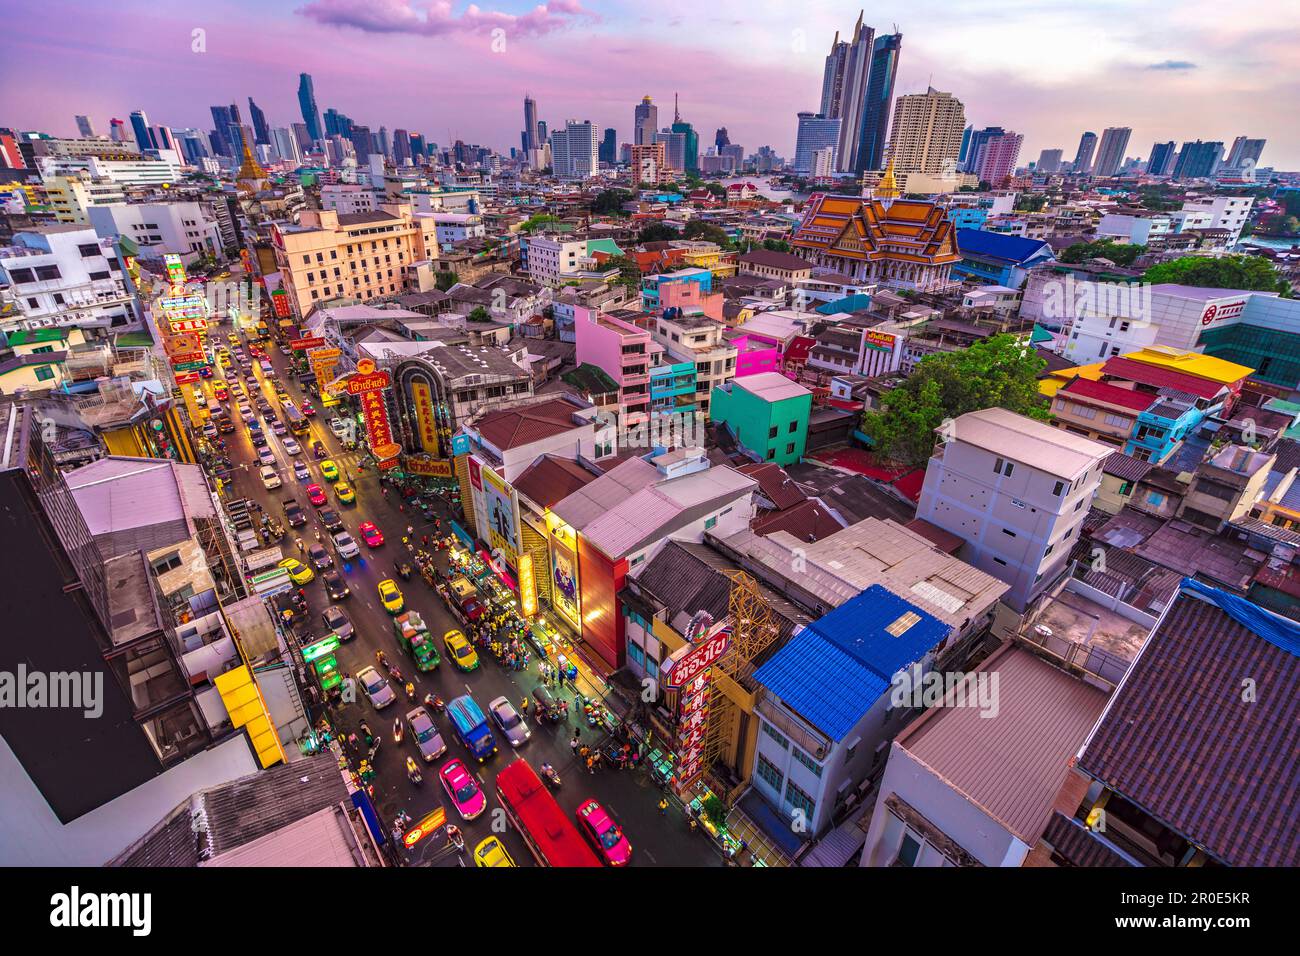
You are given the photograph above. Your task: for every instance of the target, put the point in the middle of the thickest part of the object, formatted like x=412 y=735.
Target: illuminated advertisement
x=312 y=342
x=498 y=517
x=422 y=399
x=280 y=304
x=426 y=466
x=527 y=586
x=564 y=581
x=323 y=362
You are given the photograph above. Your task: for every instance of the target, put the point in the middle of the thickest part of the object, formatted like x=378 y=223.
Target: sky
x=1049 y=69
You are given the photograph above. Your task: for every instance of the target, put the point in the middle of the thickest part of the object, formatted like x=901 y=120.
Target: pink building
x=691 y=299
x=755 y=355
x=623 y=352
x=997 y=159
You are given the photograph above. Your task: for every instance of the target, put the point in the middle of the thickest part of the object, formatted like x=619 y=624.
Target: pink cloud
x=437 y=19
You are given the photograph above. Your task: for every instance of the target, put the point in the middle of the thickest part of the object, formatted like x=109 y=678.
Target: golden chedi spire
x=887 y=188
x=250 y=170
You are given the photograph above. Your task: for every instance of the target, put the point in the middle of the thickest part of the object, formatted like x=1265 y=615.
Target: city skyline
x=1202 y=78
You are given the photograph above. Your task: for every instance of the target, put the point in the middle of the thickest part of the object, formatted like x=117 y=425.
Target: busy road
x=629 y=796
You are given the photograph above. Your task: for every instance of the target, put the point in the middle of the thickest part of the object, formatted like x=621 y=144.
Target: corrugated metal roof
x=1010 y=764
x=1028 y=441
x=117 y=493
x=1110 y=394
x=1158 y=376
x=618 y=484
x=1180 y=741
x=837 y=667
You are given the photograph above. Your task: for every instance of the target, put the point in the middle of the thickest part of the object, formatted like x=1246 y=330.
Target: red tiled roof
x=513 y=427
x=1178 y=740
x=1110 y=394
x=776 y=485
x=808 y=521
x=1159 y=377
x=551 y=479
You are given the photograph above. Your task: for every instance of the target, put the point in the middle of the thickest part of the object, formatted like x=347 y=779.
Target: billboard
x=500 y=519
x=311 y=342
x=426 y=466
x=323 y=362
x=881 y=341
x=422 y=400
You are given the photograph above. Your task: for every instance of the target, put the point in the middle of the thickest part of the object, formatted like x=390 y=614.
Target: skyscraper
x=286 y=145
x=307 y=103
x=419 y=151
x=609 y=147
x=1198 y=160
x=690 y=142
x=140 y=127
x=721 y=139
x=1110 y=154
x=362 y=143
x=84 y=128
x=877 y=101
x=1162 y=158
x=976 y=144
x=816 y=132
x=117 y=130
x=530 y=124
x=997 y=157
x=1083 y=158
x=1049 y=161
x=221 y=122
x=574 y=150
x=927 y=133
x=853 y=89
x=645 y=122
x=833 y=77
x=261 y=133
x=401 y=147
x=674 y=148
x=1244 y=152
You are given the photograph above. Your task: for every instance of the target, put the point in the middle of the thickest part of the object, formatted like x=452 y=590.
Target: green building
x=768 y=414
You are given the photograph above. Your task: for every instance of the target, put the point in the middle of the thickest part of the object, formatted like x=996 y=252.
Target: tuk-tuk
x=319 y=450
x=545 y=705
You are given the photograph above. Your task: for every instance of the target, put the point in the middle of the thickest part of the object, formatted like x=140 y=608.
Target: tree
x=629 y=273
x=479 y=314
x=1120 y=253
x=1030 y=202
x=707 y=231
x=1001 y=371
x=446 y=279
x=1251 y=273
x=715 y=810
x=536 y=222
x=610 y=202
x=657 y=232
x=776 y=245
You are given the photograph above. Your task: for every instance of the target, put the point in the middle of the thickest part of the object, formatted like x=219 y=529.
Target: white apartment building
x=71 y=196
x=698 y=339
x=1136 y=230
x=186 y=229
x=346 y=199
x=66 y=276
x=454 y=228
x=574 y=150
x=556 y=259
x=1217 y=212
x=1016 y=491
x=145 y=171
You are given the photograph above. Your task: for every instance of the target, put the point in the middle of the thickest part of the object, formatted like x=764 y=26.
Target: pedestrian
x=410 y=530
x=573 y=744
x=591 y=766
x=663 y=807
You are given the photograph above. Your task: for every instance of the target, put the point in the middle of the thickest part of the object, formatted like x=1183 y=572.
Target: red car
x=604 y=834
x=307 y=408
x=370 y=534
x=316 y=495
x=472 y=608
x=463 y=789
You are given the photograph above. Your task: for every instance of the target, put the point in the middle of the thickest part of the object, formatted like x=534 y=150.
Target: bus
x=295 y=419
x=550 y=836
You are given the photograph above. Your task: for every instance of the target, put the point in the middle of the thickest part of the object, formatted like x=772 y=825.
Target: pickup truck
x=293 y=513
x=472 y=727
x=414 y=638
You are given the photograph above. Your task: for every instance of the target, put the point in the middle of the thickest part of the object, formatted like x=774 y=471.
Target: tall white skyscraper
x=574 y=150
x=926 y=133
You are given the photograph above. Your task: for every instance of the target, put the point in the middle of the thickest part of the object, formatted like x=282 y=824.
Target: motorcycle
x=394 y=672
x=398 y=730
x=455 y=838
x=410 y=692
x=381 y=659
x=435 y=703
x=552 y=775
x=413 y=771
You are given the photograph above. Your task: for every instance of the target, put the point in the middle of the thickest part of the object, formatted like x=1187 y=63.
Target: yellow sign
x=422 y=397
x=246 y=707
x=527 y=586
x=323 y=362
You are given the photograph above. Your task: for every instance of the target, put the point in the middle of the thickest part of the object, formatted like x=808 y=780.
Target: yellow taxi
x=390 y=596
x=460 y=651
x=491 y=853
x=299 y=573
x=345 y=493
x=329 y=470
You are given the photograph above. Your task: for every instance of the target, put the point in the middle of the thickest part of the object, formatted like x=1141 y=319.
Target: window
x=20 y=276
x=789 y=449
x=1000 y=561
x=168 y=562
x=794 y=427
x=1008 y=532
x=1050 y=549
x=88 y=250
x=799 y=800
x=1003 y=468
x=769 y=774
x=776 y=735
x=1078 y=504
x=46 y=273
x=44 y=373
x=908 y=850
x=1058 y=488
x=806 y=760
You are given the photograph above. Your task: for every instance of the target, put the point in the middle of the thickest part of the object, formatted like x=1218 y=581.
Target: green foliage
x=708 y=232
x=713 y=808
x=446 y=279
x=1227 y=272
x=536 y=222
x=629 y=273
x=1030 y=202
x=1120 y=253
x=776 y=245
x=1001 y=372
x=609 y=202
x=657 y=232
x=479 y=314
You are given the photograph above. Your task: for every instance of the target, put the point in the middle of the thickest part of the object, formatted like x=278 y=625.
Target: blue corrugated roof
x=996 y=245
x=836 y=668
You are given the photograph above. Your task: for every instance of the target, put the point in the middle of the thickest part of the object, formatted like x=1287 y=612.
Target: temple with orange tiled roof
x=900 y=243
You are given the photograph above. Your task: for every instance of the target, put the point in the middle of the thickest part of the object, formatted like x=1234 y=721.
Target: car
x=210 y=430
x=293 y=514
x=462 y=788
x=301 y=471
x=199 y=397
x=258 y=438
x=473 y=608
x=346 y=545
x=370 y=534
x=335 y=586
x=508 y=719
x=225 y=426
x=424 y=734
x=222 y=393
x=329 y=470
x=491 y=853
x=605 y=836
x=279 y=428
x=299 y=573
x=390 y=596
x=265 y=456
x=269 y=478
x=307 y=408
x=338 y=622
x=345 y=493
x=319 y=557
x=205 y=371
x=316 y=494
x=339 y=427
x=460 y=650
x=330 y=518
x=377 y=689
x=291 y=447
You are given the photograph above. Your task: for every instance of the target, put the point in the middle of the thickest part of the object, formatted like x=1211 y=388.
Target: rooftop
x=771 y=386
x=1028 y=441
x=525 y=424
